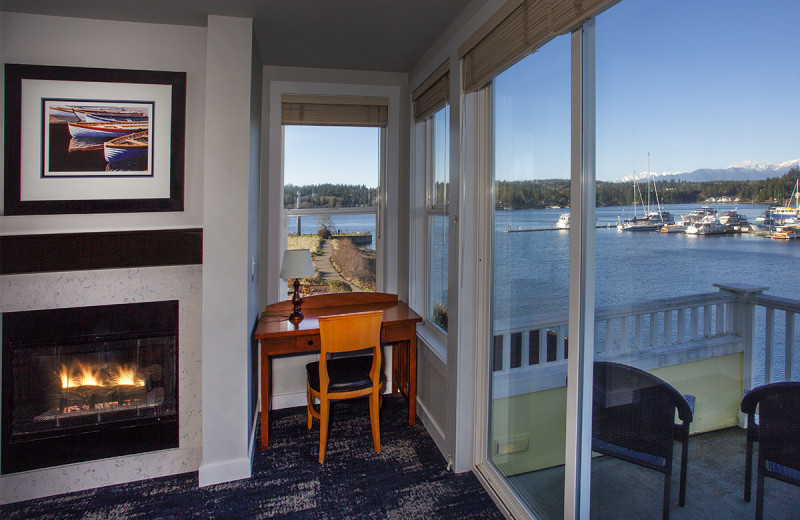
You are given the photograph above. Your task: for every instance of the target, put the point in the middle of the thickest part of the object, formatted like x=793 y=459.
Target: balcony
x=714 y=345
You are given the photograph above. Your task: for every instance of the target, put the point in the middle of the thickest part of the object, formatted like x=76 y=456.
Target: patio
x=715 y=486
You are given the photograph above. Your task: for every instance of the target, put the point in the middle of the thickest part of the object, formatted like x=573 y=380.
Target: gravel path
x=324 y=265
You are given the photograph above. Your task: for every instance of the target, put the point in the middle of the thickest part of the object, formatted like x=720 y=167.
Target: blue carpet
x=407 y=480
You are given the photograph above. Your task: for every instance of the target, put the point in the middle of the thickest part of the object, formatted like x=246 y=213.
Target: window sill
x=435 y=340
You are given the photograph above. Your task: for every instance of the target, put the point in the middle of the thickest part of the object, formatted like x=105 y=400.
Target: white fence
x=530 y=355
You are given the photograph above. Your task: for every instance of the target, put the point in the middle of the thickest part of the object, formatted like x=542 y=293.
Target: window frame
x=435 y=209
x=387 y=226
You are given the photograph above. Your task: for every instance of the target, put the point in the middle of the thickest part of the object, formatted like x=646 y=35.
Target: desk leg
x=412 y=379
x=266 y=369
x=396 y=369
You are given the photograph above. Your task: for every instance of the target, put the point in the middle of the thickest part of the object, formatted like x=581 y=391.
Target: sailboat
x=652 y=220
x=787 y=214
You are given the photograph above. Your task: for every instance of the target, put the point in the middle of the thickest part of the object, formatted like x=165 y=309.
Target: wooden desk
x=278 y=336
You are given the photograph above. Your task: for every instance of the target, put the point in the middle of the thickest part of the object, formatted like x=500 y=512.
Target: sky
x=694 y=83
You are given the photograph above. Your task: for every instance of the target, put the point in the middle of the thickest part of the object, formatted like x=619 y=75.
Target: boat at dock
x=696 y=215
x=787 y=214
x=708 y=225
x=678 y=227
x=106 y=130
x=734 y=221
x=786 y=233
x=563 y=221
x=127 y=147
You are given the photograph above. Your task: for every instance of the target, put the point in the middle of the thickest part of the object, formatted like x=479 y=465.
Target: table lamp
x=296 y=264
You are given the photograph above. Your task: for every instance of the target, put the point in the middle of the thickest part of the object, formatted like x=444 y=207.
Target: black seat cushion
x=346 y=374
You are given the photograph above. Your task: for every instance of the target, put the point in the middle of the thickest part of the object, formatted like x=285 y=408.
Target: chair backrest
x=778 y=421
x=634 y=409
x=349 y=332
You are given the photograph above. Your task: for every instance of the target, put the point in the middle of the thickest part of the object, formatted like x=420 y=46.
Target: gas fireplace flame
x=79 y=374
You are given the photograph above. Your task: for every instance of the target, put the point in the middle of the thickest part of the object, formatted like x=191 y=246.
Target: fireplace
x=88 y=383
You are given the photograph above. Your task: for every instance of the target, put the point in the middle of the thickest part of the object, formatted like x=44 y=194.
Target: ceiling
x=385 y=35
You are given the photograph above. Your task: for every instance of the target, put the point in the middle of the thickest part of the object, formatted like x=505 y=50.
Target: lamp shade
x=296 y=264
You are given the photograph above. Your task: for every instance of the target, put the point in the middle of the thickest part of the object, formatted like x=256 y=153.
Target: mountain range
x=748 y=171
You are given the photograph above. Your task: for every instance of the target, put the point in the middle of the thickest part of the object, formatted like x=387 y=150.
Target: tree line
x=329 y=196
x=555 y=192
x=542 y=193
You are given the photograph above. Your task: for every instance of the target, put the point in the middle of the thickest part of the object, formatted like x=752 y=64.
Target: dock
x=601 y=226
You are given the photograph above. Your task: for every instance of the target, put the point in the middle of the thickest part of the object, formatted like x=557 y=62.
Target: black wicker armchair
x=778 y=435
x=633 y=419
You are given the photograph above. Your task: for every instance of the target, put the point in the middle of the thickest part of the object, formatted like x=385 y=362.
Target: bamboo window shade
x=298 y=109
x=518 y=28
x=432 y=94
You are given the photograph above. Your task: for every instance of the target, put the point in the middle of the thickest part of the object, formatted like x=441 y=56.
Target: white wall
x=226 y=259
x=46 y=40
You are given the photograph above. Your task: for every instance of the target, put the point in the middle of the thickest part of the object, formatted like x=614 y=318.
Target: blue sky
x=327 y=154
x=696 y=83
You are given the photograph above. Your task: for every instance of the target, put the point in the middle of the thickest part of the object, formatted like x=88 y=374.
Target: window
x=333 y=170
x=531 y=259
x=436 y=215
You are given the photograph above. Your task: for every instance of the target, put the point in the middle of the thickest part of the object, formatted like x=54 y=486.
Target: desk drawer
x=395 y=334
x=307 y=342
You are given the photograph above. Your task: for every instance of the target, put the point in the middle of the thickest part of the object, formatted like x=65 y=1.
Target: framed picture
x=80 y=140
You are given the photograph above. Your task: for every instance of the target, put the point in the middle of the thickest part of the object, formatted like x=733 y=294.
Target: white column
x=226 y=259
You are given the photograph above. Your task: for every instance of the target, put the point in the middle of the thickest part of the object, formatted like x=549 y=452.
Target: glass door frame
x=581 y=289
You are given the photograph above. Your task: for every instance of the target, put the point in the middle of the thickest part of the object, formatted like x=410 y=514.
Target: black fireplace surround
x=88 y=383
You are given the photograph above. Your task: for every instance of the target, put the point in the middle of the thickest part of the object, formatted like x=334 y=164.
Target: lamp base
x=296 y=315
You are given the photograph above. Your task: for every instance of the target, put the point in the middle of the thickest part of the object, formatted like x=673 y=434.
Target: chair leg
x=667 y=482
x=310 y=401
x=324 y=409
x=760 y=492
x=748 y=462
x=374 y=416
x=684 y=464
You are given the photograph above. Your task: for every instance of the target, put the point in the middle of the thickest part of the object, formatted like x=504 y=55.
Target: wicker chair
x=633 y=419
x=778 y=435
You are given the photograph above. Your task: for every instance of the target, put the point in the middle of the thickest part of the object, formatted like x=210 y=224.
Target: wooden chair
x=346 y=377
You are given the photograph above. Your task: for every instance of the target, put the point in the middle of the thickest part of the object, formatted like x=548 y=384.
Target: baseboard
x=221 y=472
x=433 y=428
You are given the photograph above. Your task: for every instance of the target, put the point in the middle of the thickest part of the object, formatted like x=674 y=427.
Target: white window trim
x=387 y=245
x=433 y=210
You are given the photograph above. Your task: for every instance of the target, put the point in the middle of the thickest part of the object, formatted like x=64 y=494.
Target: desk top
x=274 y=323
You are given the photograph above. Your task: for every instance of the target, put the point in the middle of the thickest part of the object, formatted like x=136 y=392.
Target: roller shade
x=432 y=94
x=333 y=110
x=516 y=29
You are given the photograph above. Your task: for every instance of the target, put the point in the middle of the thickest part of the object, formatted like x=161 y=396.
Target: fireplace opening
x=88 y=383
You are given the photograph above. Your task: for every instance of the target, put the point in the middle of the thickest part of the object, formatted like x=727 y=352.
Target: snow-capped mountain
x=747 y=171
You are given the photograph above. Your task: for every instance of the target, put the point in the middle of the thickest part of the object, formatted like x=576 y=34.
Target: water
x=357 y=223
x=532 y=268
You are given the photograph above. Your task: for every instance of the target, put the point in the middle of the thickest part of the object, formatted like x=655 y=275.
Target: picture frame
x=91 y=140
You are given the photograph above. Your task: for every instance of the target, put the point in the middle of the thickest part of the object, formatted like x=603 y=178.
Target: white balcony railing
x=530 y=355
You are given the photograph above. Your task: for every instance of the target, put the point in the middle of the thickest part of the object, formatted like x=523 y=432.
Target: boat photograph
x=563 y=221
x=127 y=147
x=107 y=130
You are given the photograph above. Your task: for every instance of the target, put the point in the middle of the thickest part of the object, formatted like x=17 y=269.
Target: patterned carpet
x=407 y=480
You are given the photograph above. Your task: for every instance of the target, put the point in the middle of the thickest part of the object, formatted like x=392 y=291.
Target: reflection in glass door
x=531 y=260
